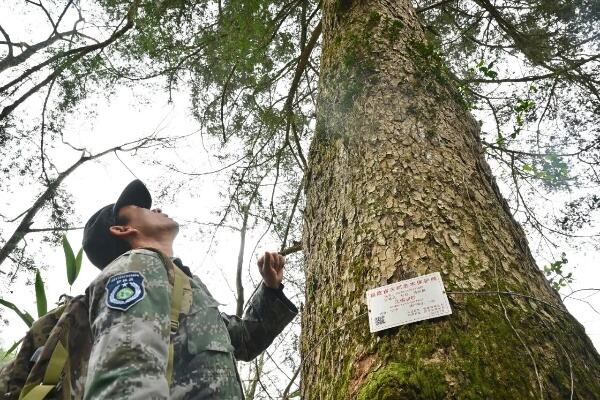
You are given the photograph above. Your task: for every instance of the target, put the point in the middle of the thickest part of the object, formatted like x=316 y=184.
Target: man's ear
x=122 y=231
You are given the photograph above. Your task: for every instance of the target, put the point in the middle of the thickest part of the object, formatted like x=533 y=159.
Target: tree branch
x=32 y=49
x=434 y=5
x=24 y=226
x=224 y=100
x=240 y=261
x=288 y=107
x=286 y=392
x=79 y=53
x=45 y=10
x=42 y=134
x=8 y=43
x=62 y=14
x=296 y=247
x=292 y=212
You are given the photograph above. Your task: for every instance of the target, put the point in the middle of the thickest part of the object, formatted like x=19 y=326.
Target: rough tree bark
x=398 y=187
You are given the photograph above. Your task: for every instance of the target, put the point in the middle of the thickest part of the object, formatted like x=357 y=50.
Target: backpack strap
x=180 y=279
x=52 y=368
x=180 y=303
x=51 y=376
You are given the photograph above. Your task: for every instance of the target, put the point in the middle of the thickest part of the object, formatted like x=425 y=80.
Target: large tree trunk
x=398 y=187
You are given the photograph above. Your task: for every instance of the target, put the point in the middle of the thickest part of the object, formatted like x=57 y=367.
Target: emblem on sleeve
x=124 y=290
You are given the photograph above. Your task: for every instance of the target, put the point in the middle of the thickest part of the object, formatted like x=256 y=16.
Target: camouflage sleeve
x=129 y=316
x=268 y=313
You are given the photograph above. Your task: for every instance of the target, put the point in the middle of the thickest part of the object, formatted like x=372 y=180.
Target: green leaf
x=78 y=261
x=12 y=348
x=40 y=295
x=500 y=140
x=487 y=70
x=24 y=315
x=524 y=105
x=547 y=270
x=70 y=260
x=556 y=275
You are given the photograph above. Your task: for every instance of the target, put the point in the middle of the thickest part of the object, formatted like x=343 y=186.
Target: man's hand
x=271 y=268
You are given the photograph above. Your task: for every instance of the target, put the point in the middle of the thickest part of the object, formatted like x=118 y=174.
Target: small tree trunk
x=239 y=286
x=398 y=187
x=258 y=368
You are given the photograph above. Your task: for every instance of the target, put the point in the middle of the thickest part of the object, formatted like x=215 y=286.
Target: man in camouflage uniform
x=130 y=307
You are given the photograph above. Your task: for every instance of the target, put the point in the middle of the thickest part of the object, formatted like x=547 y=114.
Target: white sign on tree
x=407 y=301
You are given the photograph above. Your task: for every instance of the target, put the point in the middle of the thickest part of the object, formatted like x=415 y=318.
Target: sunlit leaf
x=78 y=261
x=12 y=348
x=40 y=295
x=70 y=260
x=24 y=315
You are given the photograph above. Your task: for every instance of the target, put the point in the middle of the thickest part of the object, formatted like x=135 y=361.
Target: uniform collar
x=177 y=261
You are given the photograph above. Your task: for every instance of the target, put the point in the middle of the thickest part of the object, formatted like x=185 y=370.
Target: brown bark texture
x=398 y=187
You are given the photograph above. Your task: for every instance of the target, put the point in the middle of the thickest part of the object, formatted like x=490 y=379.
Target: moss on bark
x=396 y=381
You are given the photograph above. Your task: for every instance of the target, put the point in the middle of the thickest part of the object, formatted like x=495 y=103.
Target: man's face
x=150 y=223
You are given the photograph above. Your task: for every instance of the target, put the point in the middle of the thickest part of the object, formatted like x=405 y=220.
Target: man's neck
x=164 y=247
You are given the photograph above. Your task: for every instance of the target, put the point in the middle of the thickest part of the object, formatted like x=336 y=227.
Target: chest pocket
x=205 y=327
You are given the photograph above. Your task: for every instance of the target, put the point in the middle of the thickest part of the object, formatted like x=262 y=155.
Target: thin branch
x=27 y=220
x=258 y=368
x=579 y=290
x=32 y=49
x=586 y=302
x=79 y=53
x=550 y=95
x=240 y=261
x=264 y=388
x=8 y=43
x=434 y=5
x=529 y=154
x=45 y=10
x=296 y=247
x=125 y=165
x=224 y=100
x=18 y=216
x=54 y=229
x=286 y=392
x=175 y=169
x=292 y=212
x=529 y=78
x=62 y=14
x=510 y=294
x=239 y=286
x=298 y=145
x=300 y=67
x=43 y=131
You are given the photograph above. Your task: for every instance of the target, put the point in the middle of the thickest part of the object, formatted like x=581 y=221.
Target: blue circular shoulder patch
x=124 y=290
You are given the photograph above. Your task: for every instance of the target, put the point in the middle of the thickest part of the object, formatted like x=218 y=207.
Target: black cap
x=100 y=246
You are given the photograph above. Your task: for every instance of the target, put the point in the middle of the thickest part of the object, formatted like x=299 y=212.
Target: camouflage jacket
x=131 y=327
